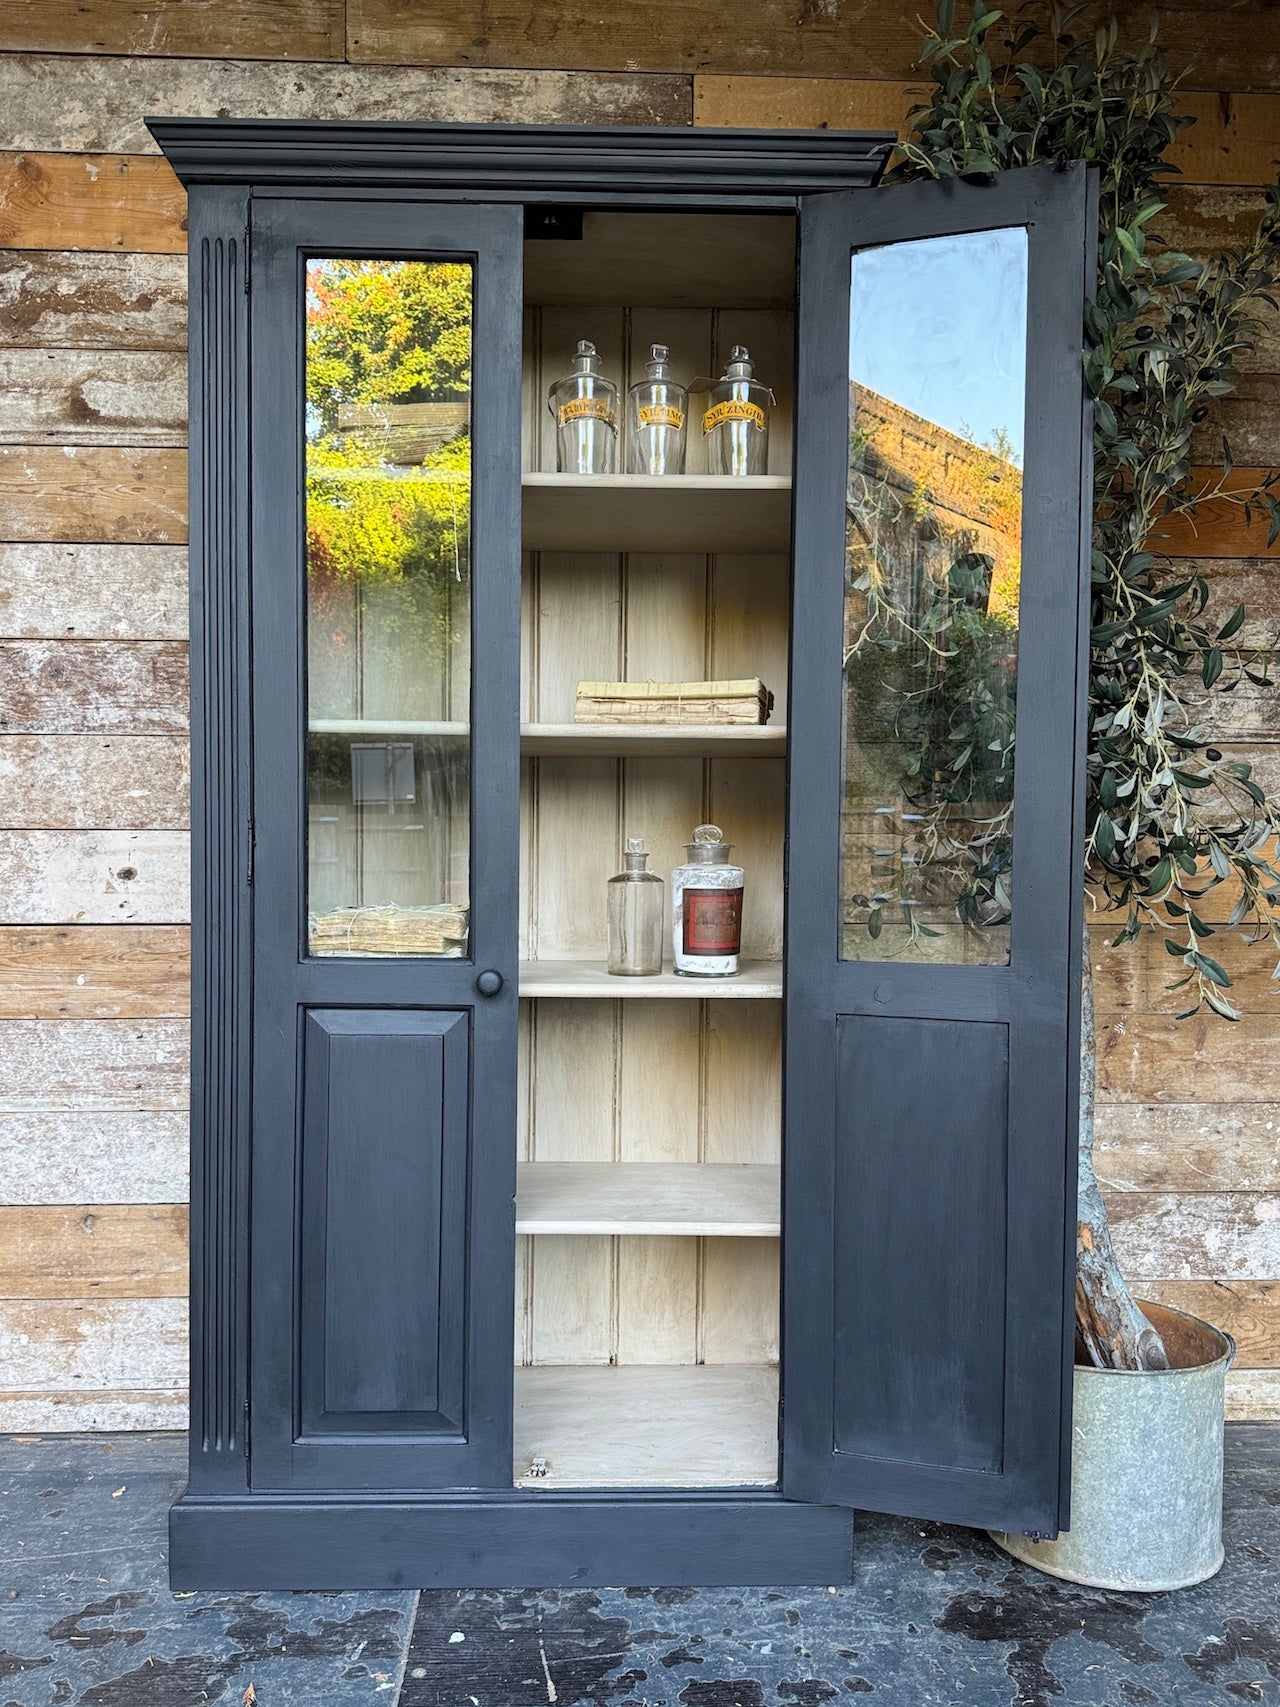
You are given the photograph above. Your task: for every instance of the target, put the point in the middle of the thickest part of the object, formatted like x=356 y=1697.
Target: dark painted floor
x=936 y=1616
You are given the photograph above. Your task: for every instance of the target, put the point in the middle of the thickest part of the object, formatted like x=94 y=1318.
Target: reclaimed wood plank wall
x=92 y=614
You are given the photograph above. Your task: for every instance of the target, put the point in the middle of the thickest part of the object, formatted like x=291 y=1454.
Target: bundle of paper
x=440 y=930
x=745 y=701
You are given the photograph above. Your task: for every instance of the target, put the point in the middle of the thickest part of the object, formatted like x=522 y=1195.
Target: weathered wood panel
x=1137 y=975
x=1188 y=1147
x=87 y=591
x=94 y=877
x=1249 y=1310
x=1233 y=45
x=68 y=300
x=95 y=972
x=97 y=1344
x=1251 y=581
x=93 y=494
x=273 y=29
x=1201 y=1236
x=90 y=782
x=93 y=397
x=1219 y=527
x=91 y=201
x=114 y=1250
x=88 y=1411
x=97 y=105
x=75 y=687
x=69 y=1156
x=1248 y=420
x=1156 y=1058
x=1205 y=222
x=1253 y=1395
x=114 y=1066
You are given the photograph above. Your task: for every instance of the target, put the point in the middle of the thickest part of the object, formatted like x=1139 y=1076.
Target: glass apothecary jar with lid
x=584 y=406
x=706 y=899
x=657 y=408
x=735 y=422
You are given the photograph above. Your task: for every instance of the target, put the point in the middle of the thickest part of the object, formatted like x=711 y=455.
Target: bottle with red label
x=706 y=896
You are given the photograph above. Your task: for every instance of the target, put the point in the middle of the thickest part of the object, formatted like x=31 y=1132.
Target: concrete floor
x=936 y=1616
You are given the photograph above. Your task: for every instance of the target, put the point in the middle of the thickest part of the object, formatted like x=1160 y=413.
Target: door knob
x=489 y=983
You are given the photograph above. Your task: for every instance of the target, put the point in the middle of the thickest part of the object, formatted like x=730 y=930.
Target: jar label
x=584 y=409
x=737 y=409
x=660 y=415
x=712 y=921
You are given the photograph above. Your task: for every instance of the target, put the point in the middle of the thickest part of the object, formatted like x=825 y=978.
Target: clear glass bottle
x=584 y=405
x=706 y=898
x=657 y=409
x=635 y=916
x=735 y=422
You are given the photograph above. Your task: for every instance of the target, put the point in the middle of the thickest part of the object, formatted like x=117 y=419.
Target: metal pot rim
x=1225 y=1358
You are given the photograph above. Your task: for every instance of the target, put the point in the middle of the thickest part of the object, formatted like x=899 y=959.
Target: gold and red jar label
x=584 y=409
x=712 y=922
x=660 y=415
x=736 y=409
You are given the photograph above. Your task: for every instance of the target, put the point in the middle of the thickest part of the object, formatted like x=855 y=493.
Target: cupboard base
x=267 y=1542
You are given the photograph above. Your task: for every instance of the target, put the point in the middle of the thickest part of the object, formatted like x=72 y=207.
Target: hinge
x=248 y=853
x=248 y=253
x=244 y=1428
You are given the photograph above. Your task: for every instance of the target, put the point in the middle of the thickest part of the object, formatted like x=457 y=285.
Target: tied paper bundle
x=744 y=701
x=440 y=930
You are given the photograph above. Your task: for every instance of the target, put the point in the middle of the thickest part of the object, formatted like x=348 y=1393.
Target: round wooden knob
x=489 y=983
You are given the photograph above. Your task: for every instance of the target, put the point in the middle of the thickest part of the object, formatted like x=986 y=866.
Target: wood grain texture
x=68 y=300
x=1249 y=1310
x=108 y=1411
x=96 y=105
x=49 y=1346
x=94 y=495
x=94 y=1251
x=1247 y=419
x=1135 y=977
x=109 y=1066
x=1157 y=1058
x=74 y=687
x=88 y=591
x=91 y=782
x=91 y=201
x=1188 y=1147
x=94 y=877
x=1206 y=221
x=75 y=1156
x=1253 y=1395
x=93 y=397
x=272 y=29
x=95 y=972
x=1200 y=1236
x=1220 y=527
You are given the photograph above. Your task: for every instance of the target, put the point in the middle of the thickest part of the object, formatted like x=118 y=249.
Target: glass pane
x=388 y=464
x=937 y=364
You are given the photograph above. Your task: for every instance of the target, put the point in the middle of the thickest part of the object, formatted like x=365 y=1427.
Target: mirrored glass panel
x=388 y=508
x=937 y=370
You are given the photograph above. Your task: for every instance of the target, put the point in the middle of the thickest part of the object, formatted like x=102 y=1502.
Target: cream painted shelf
x=760 y=980
x=641 y=512
x=646 y=1426
x=604 y=740
x=658 y=1199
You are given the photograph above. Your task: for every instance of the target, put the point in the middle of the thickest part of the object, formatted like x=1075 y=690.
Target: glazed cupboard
x=506 y=1269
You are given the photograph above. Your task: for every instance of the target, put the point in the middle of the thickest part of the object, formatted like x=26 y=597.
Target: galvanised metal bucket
x=1146 y=1471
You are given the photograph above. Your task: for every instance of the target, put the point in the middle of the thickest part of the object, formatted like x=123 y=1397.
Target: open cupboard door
x=934 y=876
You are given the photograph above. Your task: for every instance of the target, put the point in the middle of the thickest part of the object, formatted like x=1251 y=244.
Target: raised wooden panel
x=100 y=397
x=273 y=29
x=93 y=494
x=103 y=877
x=91 y=201
x=382 y=1282
x=93 y=782
x=94 y=972
x=64 y=300
x=72 y=687
x=944 y=1191
x=88 y=591
x=117 y=1250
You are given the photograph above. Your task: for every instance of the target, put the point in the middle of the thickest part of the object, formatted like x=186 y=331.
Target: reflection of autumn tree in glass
x=388 y=375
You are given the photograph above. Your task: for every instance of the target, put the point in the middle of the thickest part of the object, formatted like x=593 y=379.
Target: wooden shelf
x=641 y=512
x=602 y=740
x=657 y=1199
x=759 y=980
x=646 y=1426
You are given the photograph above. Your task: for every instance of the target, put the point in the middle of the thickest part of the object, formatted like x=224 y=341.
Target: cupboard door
x=934 y=878
x=385 y=529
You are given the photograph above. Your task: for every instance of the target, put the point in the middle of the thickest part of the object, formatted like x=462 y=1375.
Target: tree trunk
x=1116 y=1334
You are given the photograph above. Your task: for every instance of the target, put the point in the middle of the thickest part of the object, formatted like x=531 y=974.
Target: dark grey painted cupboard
x=506 y=1268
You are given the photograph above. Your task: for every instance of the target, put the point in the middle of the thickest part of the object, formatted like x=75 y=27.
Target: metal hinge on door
x=248 y=853
x=244 y=1428
x=248 y=252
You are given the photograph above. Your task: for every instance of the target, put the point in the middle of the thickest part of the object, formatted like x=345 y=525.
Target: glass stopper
x=708 y=833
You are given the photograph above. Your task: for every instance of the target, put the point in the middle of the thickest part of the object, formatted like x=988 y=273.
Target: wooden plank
x=111 y=1066
x=57 y=299
x=93 y=397
x=1156 y=1058
x=109 y=1412
x=94 y=877
x=759 y=980
x=1253 y=1395
x=72 y=1156
x=88 y=592
x=97 y=105
x=1137 y=975
x=49 y=1346
x=73 y=687
x=92 y=782
x=1219 y=527
x=1235 y=139
x=93 y=494
x=651 y=1198
x=1251 y=581
x=650 y=513
x=94 y=1251
x=1249 y=1310
x=95 y=972
x=556 y=740
x=273 y=29
x=689 y=1427
x=1186 y=1147
x=1225 y=1236
x=91 y=201
x=1249 y=418
x=1206 y=221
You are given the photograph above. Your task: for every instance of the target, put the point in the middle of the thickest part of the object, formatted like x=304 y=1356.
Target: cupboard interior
x=649 y=1134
